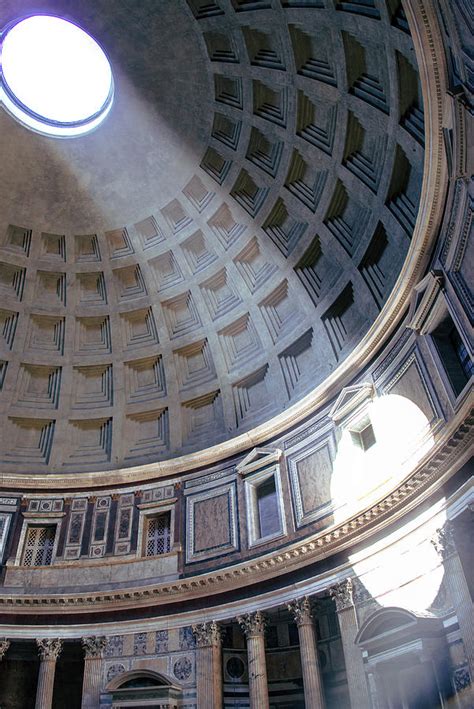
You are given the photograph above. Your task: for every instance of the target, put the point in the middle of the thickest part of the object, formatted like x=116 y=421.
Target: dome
x=214 y=258
x=235 y=359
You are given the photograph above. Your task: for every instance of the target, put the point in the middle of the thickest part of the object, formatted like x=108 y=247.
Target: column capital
x=252 y=623
x=93 y=646
x=49 y=648
x=301 y=610
x=342 y=594
x=207 y=634
x=4 y=645
x=443 y=540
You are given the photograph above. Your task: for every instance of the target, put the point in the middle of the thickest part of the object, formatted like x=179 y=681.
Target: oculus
x=55 y=78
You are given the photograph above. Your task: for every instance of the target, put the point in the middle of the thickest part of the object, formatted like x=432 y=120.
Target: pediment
x=350 y=401
x=257 y=459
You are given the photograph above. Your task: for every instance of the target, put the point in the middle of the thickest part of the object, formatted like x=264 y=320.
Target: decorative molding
x=49 y=649
x=207 y=634
x=342 y=595
x=94 y=647
x=253 y=623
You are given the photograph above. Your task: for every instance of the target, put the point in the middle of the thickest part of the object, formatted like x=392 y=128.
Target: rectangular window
x=364 y=436
x=39 y=546
x=267 y=508
x=158 y=534
x=4 y=526
x=454 y=354
x=265 y=512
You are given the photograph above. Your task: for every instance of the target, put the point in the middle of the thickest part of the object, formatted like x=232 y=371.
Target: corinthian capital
x=207 y=634
x=49 y=648
x=342 y=594
x=252 y=623
x=93 y=646
x=443 y=540
x=300 y=609
x=4 y=645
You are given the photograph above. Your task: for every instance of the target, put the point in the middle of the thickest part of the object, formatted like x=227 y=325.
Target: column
x=208 y=665
x=313 y=690
x=355 y=671
x=457 y=588
x=49 y=650
x=92 y=682
x=4 y=645
x=253 y=627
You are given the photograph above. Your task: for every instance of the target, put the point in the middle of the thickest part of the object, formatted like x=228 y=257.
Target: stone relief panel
x=310 y=470
x=204 y=541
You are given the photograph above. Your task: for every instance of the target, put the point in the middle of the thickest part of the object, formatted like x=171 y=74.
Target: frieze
x=211 y=477
x=161 y=641
x=396 y=502
x=186 y=638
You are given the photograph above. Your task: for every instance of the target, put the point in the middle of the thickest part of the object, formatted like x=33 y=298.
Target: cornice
x=442 y=461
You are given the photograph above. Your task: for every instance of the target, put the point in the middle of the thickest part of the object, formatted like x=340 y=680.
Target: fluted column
x=355 y=671
x=92 y=682
x=208 y=665
x=4 y=645
x=49 y=650
x=457 y=587
x=253 y=627
x=313 y=690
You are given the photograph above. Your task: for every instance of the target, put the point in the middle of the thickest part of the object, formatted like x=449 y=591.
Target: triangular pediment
x=425 y=303
x=258 y=458
x=350 y=401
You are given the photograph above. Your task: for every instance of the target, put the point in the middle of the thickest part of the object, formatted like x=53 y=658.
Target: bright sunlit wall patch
x=55 y=78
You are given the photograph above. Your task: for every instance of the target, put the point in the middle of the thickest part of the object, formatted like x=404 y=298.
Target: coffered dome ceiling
x=221 y=244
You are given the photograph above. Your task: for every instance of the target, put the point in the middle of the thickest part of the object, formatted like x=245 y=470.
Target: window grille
x=39 y=546
x=158 y=535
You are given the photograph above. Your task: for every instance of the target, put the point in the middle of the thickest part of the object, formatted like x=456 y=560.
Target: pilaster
x=208 y=665
x=458 y=590
x=91 y=686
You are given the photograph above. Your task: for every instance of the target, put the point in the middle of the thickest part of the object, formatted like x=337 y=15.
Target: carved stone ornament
x=207 y=634
x=94 y=646
x=342 y=594
x=300 y=609
x=4 y=645
x=252 y=623
x=49 y=648
x=443 y=540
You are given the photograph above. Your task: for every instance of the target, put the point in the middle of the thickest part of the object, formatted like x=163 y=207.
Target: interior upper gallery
x=236 y=266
